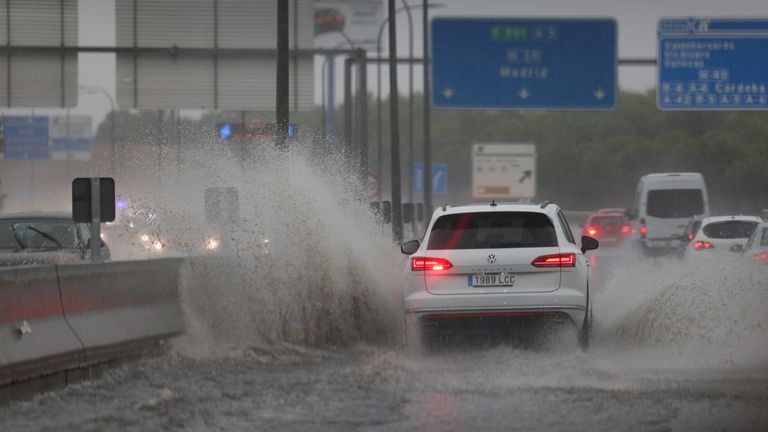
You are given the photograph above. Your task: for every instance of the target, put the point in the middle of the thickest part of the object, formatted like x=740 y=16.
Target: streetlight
x=407 y=8
x=92 y=90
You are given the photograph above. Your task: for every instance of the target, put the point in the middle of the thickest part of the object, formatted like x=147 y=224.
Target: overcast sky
x=637 y=21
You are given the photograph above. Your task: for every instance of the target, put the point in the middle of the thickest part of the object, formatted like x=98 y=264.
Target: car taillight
x=555 y=260
x=625 y=229
x=700 y=245
x=643 y=228
x=427 y=263
x=762 y=256
x=591 y=231
x=690 y=236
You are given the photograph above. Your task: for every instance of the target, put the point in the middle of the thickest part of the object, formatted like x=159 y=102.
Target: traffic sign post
x=712 y=64
x=439 y=178
x=93 y=201
x=524 y=63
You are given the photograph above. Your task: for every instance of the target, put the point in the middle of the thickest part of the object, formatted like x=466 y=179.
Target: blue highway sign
x=524 y=63
x=26 y=138
x=712 y=64
x=439 y=178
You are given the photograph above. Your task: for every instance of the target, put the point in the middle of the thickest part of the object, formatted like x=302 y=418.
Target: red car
x=608 y=228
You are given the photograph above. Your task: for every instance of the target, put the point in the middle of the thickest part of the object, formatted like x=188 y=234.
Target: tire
x=585 y=332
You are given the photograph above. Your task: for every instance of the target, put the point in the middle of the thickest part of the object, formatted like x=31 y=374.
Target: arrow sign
x=526 y=175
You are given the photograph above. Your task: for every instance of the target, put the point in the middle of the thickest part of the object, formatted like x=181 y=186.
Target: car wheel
x=585 y=332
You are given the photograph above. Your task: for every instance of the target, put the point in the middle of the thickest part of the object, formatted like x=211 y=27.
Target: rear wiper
x=18 y=238
x=46 y=235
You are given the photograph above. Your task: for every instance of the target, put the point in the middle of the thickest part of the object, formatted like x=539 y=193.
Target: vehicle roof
x=656 y=176
x=741 y=218
x=606 y=214
x=36 y=215
x=473 y=208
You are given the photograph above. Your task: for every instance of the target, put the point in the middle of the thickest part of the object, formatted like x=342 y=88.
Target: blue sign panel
x=524 y=63
x=25 y=138
x=82 y=145
x=439 y=178
x=713 y=64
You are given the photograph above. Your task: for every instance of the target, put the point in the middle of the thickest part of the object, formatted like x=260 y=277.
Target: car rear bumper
x=570 y=303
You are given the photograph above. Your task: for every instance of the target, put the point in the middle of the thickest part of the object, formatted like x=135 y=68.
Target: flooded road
x=369 y=388
x=706 y=370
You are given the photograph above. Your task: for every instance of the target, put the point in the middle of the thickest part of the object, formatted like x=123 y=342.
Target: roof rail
x=545 y=203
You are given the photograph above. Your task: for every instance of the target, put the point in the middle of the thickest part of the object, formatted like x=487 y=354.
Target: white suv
x=497 y=262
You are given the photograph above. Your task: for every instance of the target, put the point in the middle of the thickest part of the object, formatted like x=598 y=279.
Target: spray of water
x=306 y=265
x=687 y=314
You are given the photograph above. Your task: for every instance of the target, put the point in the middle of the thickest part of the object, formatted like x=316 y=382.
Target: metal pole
x=283 y=79
x=95 y=220
x=330 y=127
x=409 y=165
x=427 y=126
x=379 y=143
x=348 y=102
x=397 y=208
x=362 y=107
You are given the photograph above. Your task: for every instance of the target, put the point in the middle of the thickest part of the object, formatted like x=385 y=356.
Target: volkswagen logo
x=491 y=258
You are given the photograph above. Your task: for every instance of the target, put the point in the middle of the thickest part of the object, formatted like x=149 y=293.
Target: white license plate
x=491 y=280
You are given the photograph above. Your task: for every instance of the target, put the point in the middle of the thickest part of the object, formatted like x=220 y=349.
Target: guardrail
x=60 y=318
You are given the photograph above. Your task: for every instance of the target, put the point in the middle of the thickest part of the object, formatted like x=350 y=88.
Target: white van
x=663 y=205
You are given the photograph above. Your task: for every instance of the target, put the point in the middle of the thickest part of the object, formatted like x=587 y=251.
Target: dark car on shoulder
x=35 y=238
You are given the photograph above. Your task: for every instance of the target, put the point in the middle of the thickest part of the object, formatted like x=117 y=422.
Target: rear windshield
x=675 y=203
x=488 y=230
x=729 y=229
x=608 y=220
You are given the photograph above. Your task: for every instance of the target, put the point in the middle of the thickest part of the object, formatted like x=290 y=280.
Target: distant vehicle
x=607 y=227
x=722 y=236
x=663 y=205
x=329 y=20
x=44 y=238
x=756 y=248
x=488 y=265
x=691 y=228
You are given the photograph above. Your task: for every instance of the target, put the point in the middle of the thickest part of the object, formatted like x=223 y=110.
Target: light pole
x=92 y=90
x=407 y=8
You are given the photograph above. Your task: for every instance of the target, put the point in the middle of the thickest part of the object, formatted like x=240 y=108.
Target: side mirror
x=410 y=247
x=588 y=244
x=737 y=248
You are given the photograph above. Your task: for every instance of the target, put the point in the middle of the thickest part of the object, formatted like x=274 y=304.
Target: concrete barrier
x=68 y=317
x=111 y=305
x=34 y=334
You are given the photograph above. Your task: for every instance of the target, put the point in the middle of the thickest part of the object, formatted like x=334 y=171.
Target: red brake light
x=591 y=231
x=427 y=263
x=690 y=236
x=643 y=230
x=555 y=260
x=625 y=229
x=699 y=245
x=762 y=256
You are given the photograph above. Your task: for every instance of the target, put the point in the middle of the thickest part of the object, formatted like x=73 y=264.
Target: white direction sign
x=506 y=171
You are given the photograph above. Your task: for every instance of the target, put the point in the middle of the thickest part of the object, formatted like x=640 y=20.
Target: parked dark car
x=44 y=238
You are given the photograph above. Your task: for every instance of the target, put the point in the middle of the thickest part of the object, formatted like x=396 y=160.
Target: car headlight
x=144 y=238
x=212 y=244
x=157 y=246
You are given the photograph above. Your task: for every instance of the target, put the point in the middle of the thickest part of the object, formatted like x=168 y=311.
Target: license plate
x=491 y=280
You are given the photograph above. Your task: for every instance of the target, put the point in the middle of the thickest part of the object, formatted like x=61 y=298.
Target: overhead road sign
x=71 y=137
x=712 y=64
x=35 y=78
x=498 y=63
x=505 y=171
x=215 y=54
x=25 y=138
x=439 y=178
